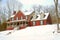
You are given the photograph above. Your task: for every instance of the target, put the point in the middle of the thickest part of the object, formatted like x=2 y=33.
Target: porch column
x=7 y=25
x=13 y=24
x=16 y=23
x=22 y=23
x=19 y=23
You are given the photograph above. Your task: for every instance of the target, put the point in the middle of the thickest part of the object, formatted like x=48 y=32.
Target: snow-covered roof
x=46 y=16
x=12 y=16
x=27 y=12
x=41 y=11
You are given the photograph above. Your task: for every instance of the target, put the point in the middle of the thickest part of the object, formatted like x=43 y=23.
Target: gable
x=19 y=15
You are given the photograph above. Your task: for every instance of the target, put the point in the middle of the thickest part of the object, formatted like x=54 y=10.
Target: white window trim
x=26 y=17
x=34 y=22
x=41 y=22
x=16 y=18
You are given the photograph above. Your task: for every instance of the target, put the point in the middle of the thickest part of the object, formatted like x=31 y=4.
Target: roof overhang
x=17 y=21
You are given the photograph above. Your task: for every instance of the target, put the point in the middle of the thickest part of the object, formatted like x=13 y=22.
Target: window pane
x=16 y=18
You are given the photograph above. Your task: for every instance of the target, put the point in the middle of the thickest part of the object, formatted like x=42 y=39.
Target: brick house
x=17 y=19
x=24 y=19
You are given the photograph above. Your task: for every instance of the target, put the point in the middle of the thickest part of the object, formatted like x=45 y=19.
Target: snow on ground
x=44 y=32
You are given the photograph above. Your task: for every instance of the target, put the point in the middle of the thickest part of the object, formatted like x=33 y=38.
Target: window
x=20 y=22
x=17 y=23
x=7 y=24
x=41 y=22
x=26 y=22
x=36 y=17
x=11 y=23
x=16 y=18
x=23 y=22
x=21 y=17
x=31 y=17
x=26 y=17
x=33 y=22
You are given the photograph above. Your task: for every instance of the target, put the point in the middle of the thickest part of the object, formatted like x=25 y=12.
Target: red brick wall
x=44 y=22
x=22 y=27
x=30 y=23
x=37 y=22
x=9 y=28
x=49 y=20
x=19 y=15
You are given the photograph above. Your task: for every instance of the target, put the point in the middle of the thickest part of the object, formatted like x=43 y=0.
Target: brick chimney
x=14 y=12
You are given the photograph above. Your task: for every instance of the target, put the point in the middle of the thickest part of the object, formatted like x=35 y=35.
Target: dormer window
x=31 y=17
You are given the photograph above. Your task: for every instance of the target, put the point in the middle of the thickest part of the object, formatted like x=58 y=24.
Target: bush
x=3 y=26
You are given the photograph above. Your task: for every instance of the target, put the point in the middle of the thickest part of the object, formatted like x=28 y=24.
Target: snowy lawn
x=44 y=32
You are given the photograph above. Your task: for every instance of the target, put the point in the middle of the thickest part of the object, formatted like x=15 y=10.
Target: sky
x=41 y=2
x=30 y=3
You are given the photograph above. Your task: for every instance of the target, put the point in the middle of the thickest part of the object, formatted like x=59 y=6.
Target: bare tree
x=9 y=10
x=13 y=5
x=56 y=8
x=37 y=7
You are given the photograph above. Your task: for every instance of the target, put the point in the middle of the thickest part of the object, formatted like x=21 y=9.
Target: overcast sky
x=29 y=3
x=41 y=2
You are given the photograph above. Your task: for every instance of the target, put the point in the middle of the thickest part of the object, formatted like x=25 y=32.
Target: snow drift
x=30 y=33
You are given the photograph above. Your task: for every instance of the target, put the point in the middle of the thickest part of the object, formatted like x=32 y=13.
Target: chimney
x=14 y=12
